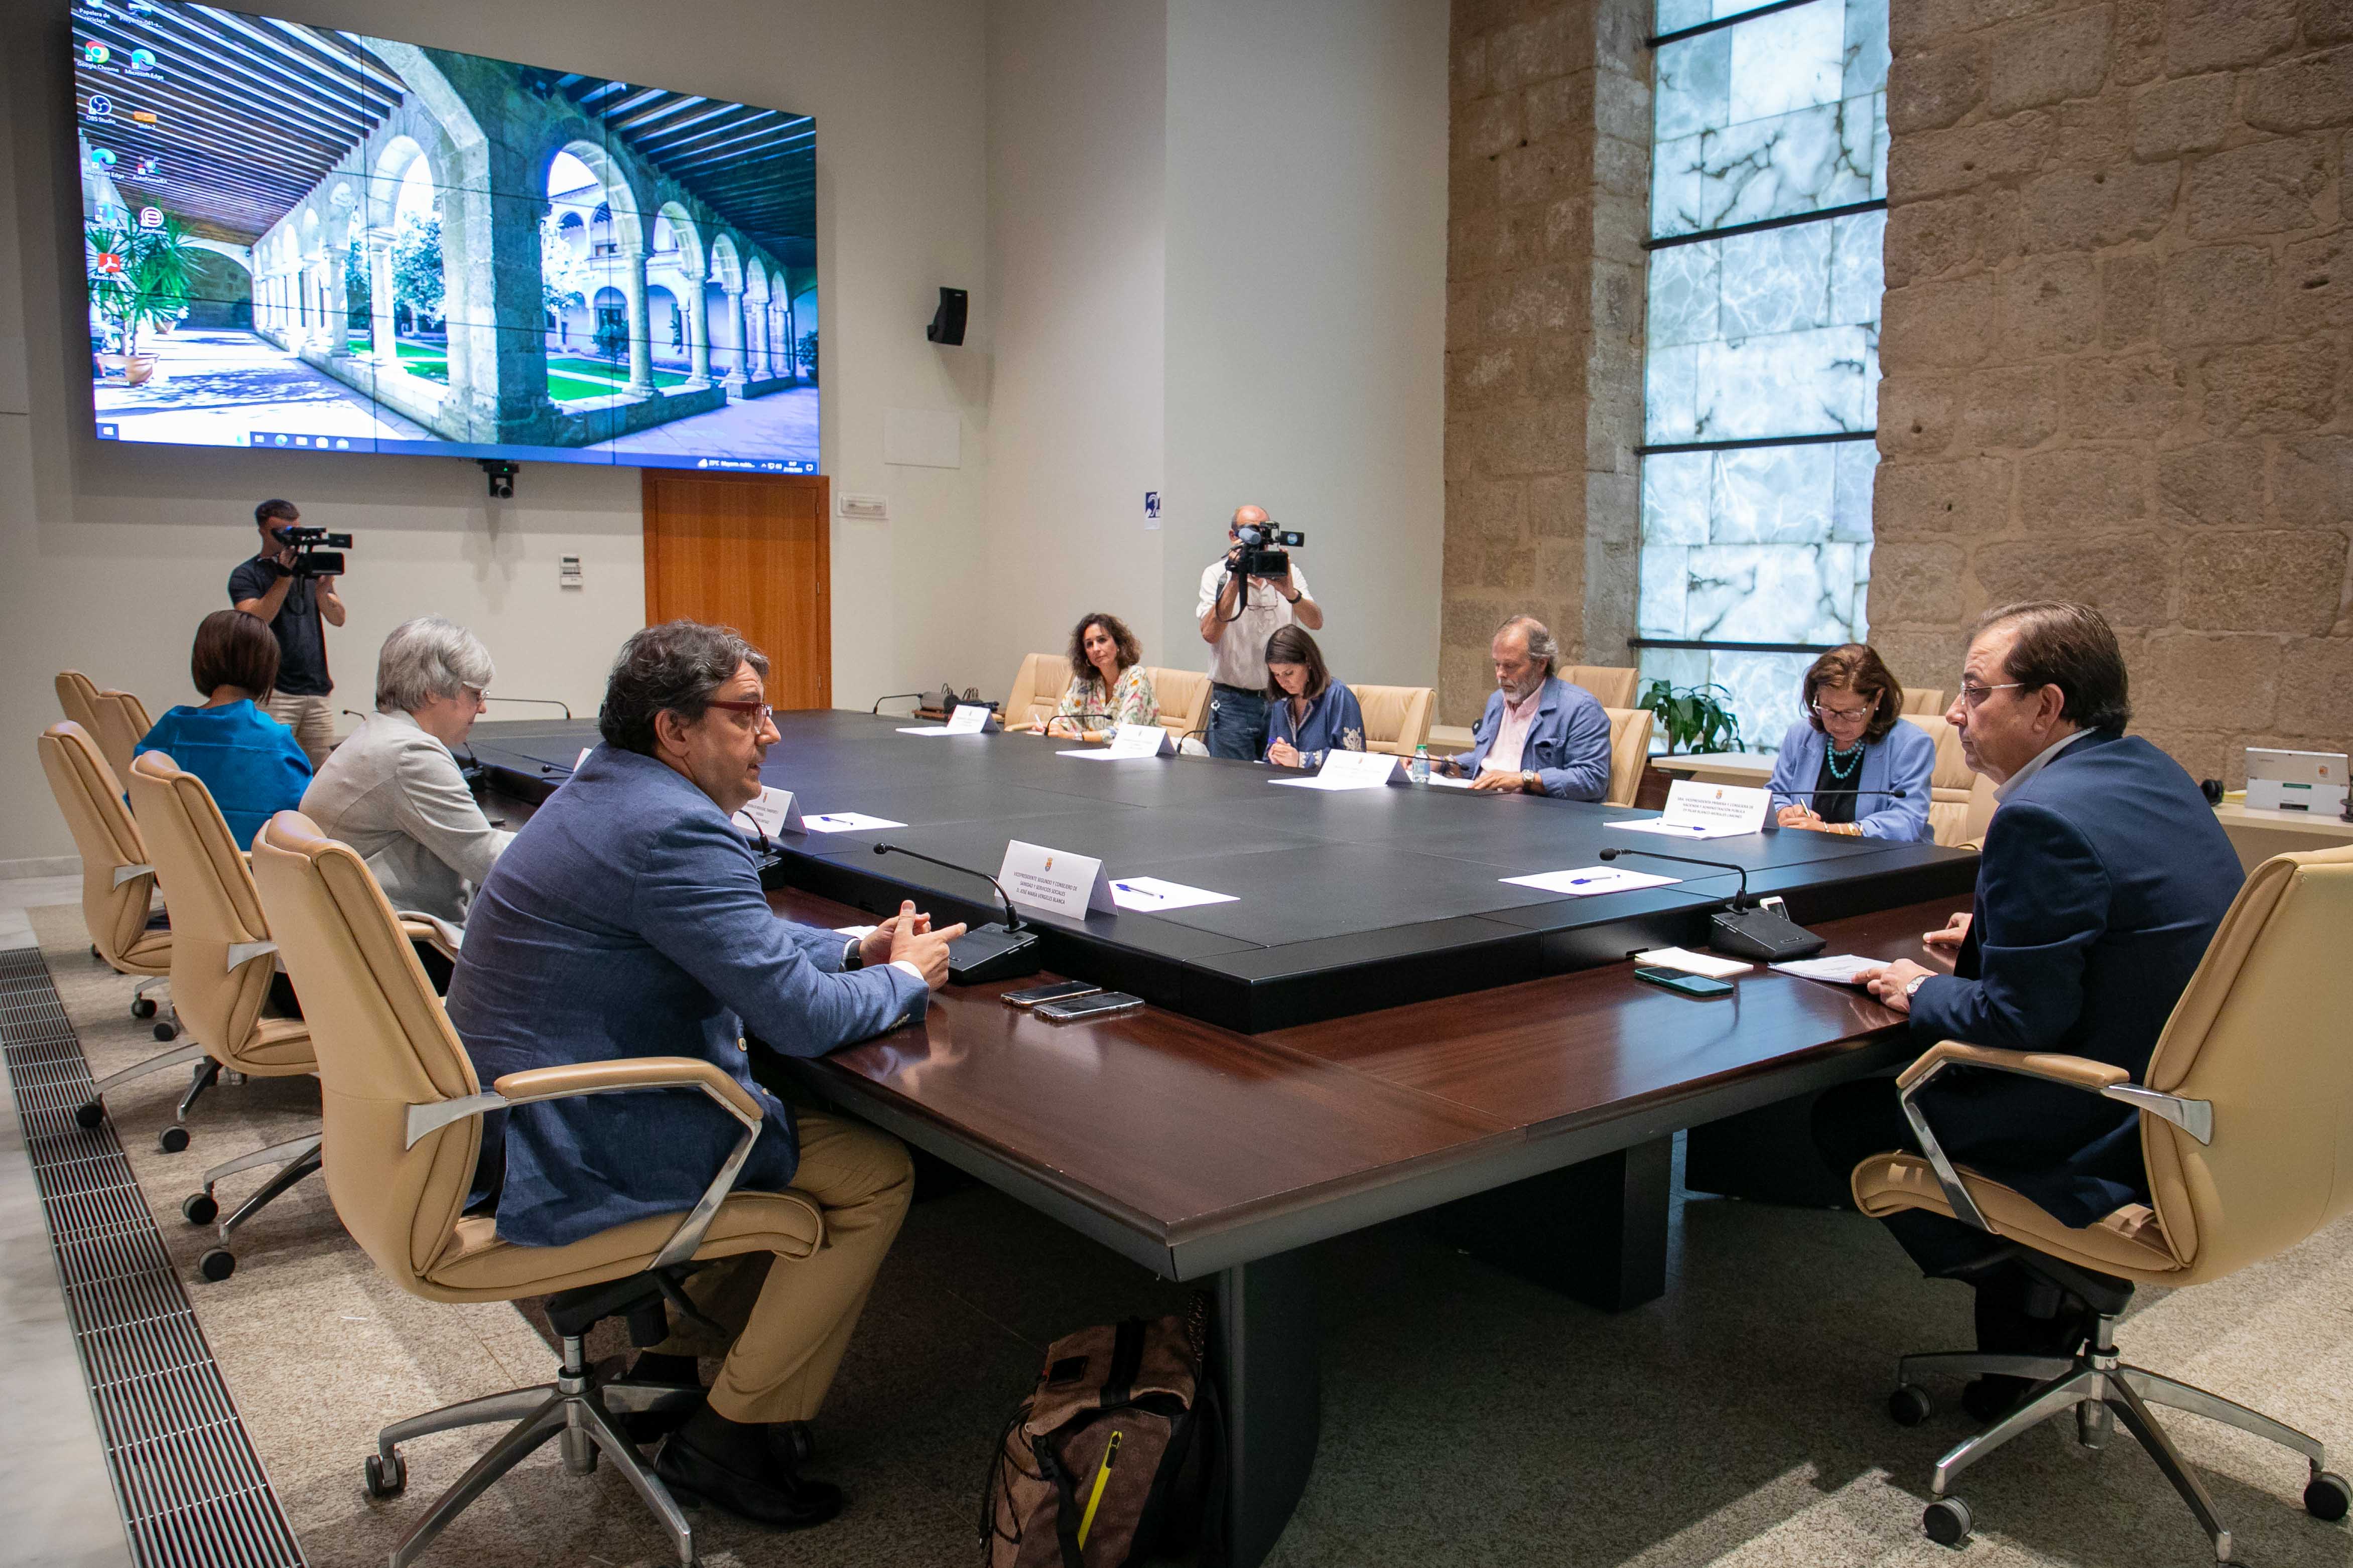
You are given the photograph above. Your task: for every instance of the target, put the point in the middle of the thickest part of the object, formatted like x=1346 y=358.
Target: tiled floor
x=48 y=1443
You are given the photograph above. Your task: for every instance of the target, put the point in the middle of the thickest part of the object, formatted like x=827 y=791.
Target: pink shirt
x=1513 y=736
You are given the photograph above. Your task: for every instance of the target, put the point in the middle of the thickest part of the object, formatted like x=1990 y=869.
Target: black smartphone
x=1062 y=991
x=1101 y=1005
x=1688 y=984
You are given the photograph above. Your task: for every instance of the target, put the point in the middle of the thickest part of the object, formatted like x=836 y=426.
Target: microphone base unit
x=991 y=951
x=1765 y=934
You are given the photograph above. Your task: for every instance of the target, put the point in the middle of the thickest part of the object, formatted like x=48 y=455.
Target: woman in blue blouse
x=1309 y=715
x=1841 y=763
x=249 y=760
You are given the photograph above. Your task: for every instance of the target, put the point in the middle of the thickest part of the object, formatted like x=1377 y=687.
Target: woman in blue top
x=1308 y=713
x=1840 y=764
x=249 y=760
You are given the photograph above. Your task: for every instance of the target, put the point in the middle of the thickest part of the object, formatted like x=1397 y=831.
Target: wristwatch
x=1913 y=985
x=853 y=957
x=1293 y=598
x=1530 y=781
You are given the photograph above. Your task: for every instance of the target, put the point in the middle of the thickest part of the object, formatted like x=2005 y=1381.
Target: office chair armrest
x=2195 y=1117
x=624 y=1076
x=432 y=930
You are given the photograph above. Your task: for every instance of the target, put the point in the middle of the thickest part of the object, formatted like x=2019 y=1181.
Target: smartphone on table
x=1061 y=991
x=1686 y=984
x=1101 y=1005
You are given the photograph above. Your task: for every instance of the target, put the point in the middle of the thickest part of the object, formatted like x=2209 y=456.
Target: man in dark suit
x=627 y=920
x=2103 y=877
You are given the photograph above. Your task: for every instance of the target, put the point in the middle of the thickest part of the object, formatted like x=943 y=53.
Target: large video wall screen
x=324 y=241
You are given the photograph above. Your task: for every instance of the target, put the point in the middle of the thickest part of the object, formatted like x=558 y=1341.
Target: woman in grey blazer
x=392 y=791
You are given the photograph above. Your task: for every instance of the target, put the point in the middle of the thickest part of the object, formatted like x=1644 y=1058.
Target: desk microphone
x=1091 y=713
x=984 y=951
x=540 y=702
x=1764 y=933
x=894 y=697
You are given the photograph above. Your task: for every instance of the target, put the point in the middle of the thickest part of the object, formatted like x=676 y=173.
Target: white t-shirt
x=1238 y=656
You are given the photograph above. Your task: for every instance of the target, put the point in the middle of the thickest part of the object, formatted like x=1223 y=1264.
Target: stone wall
x=1549 y=189
x=2116 y=345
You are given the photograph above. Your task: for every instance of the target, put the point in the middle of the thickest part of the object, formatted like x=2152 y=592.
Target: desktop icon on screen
x=96 y=54
x=100 y=106
x=141 y=60
x=151 y=217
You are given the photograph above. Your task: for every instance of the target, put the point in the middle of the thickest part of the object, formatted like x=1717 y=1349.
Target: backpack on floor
x=1116 y=1457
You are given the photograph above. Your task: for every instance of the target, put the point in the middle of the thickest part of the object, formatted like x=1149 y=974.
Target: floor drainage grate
x=192 y=1490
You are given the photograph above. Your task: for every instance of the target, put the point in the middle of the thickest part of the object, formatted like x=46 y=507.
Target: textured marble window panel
x=1765 y=688
x=1767 y=495
x=1769 y=593
x=1866 y=33
x=1788 y=384
x=1829 y=155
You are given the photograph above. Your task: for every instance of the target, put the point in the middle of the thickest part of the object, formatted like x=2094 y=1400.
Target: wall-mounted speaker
x=947 y=322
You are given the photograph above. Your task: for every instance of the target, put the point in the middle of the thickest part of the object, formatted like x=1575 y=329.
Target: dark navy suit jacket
x=626 y=920
x=1567 y=745
x=2103 y=879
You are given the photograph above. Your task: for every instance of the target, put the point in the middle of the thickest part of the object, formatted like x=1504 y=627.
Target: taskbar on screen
x=308 y=441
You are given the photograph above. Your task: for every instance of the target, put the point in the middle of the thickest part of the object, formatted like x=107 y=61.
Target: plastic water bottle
x=1419 y=769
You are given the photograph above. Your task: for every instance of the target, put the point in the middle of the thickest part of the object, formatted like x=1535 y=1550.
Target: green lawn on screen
x=570 y=378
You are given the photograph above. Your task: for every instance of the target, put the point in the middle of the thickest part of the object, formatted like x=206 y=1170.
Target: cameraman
x=1235 y=621
x=267 y=588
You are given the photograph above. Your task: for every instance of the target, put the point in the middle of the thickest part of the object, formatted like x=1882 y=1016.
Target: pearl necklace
x=1854 y=756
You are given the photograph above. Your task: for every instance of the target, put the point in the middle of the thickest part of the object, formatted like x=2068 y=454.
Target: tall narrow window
x=1768 y=197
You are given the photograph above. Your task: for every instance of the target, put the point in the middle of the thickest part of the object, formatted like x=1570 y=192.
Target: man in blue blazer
x=1539 y=735
x=2103 y=877
x=626 y=920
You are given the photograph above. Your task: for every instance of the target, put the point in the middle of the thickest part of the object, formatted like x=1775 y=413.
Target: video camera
x=1261 y=549
x=309 y=560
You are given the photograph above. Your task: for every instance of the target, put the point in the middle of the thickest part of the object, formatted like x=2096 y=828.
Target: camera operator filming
x=1246 y=595
x=291 y=586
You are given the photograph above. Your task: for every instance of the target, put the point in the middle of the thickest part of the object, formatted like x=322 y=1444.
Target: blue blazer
x=1568 y=744
x=1901 y=759
x=249 y=760
x=2103 y=879
x=626 y=920
x=1332 y=719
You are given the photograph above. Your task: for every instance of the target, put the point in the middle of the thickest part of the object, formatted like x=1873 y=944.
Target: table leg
x=1268 y=1347
x=1596 y=1231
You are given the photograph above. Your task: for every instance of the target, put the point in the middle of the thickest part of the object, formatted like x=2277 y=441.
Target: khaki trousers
x=788 y=1324
x=313 y=720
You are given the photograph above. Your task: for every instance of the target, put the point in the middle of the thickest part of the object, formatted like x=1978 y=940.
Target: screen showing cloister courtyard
x=302 y=238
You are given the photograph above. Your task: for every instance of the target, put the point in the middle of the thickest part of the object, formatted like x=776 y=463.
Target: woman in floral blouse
x=1308 y=713
x=1108 y=685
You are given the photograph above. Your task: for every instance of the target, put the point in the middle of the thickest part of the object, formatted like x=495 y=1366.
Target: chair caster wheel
x=1947 y=1520
x=2327 y=1497
x=142 y=1006
x=166 y=1030
x=172 y=1139
x=198 y=1208
x=90 y=1113
x=1909 y=1405
x=386 y=1481
x=218 y=1265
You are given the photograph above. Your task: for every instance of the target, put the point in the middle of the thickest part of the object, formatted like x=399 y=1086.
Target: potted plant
x=138 y=278
x=1694 y=717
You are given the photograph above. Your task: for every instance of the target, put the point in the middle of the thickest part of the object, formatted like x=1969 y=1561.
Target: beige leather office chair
x=1613 y=685
x=117 y=720
x=1038 y=688
x=2246 y=1116
x=1960 y=800
x=1397 y=718
x=1922 y=700
x=222 y=963
x=1630 y=752
x=1184 y=698
x=403 y=1130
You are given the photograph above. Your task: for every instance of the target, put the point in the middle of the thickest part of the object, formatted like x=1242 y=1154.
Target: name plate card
x=969 y=719
x=1131 y=740
x=1055 y=880
x=774 y=812
x=1706 y=811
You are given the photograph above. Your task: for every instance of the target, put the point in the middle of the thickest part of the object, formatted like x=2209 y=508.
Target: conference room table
x=1533 y=1121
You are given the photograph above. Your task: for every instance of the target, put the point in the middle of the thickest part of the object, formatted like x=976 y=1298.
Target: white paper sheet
x=1666 y=830
x=1149 y=895
x=846 y=822
x=1585 y=881
x=1692 y=963
x=1442 y=782
x=922 y=728
x=860 y=931
x=1837 y=969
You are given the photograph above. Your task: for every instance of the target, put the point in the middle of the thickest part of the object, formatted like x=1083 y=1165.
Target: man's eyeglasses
x=1975 y=696
x=761 y=712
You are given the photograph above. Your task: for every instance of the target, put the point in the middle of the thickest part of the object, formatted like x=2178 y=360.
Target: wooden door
x=752 y=551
